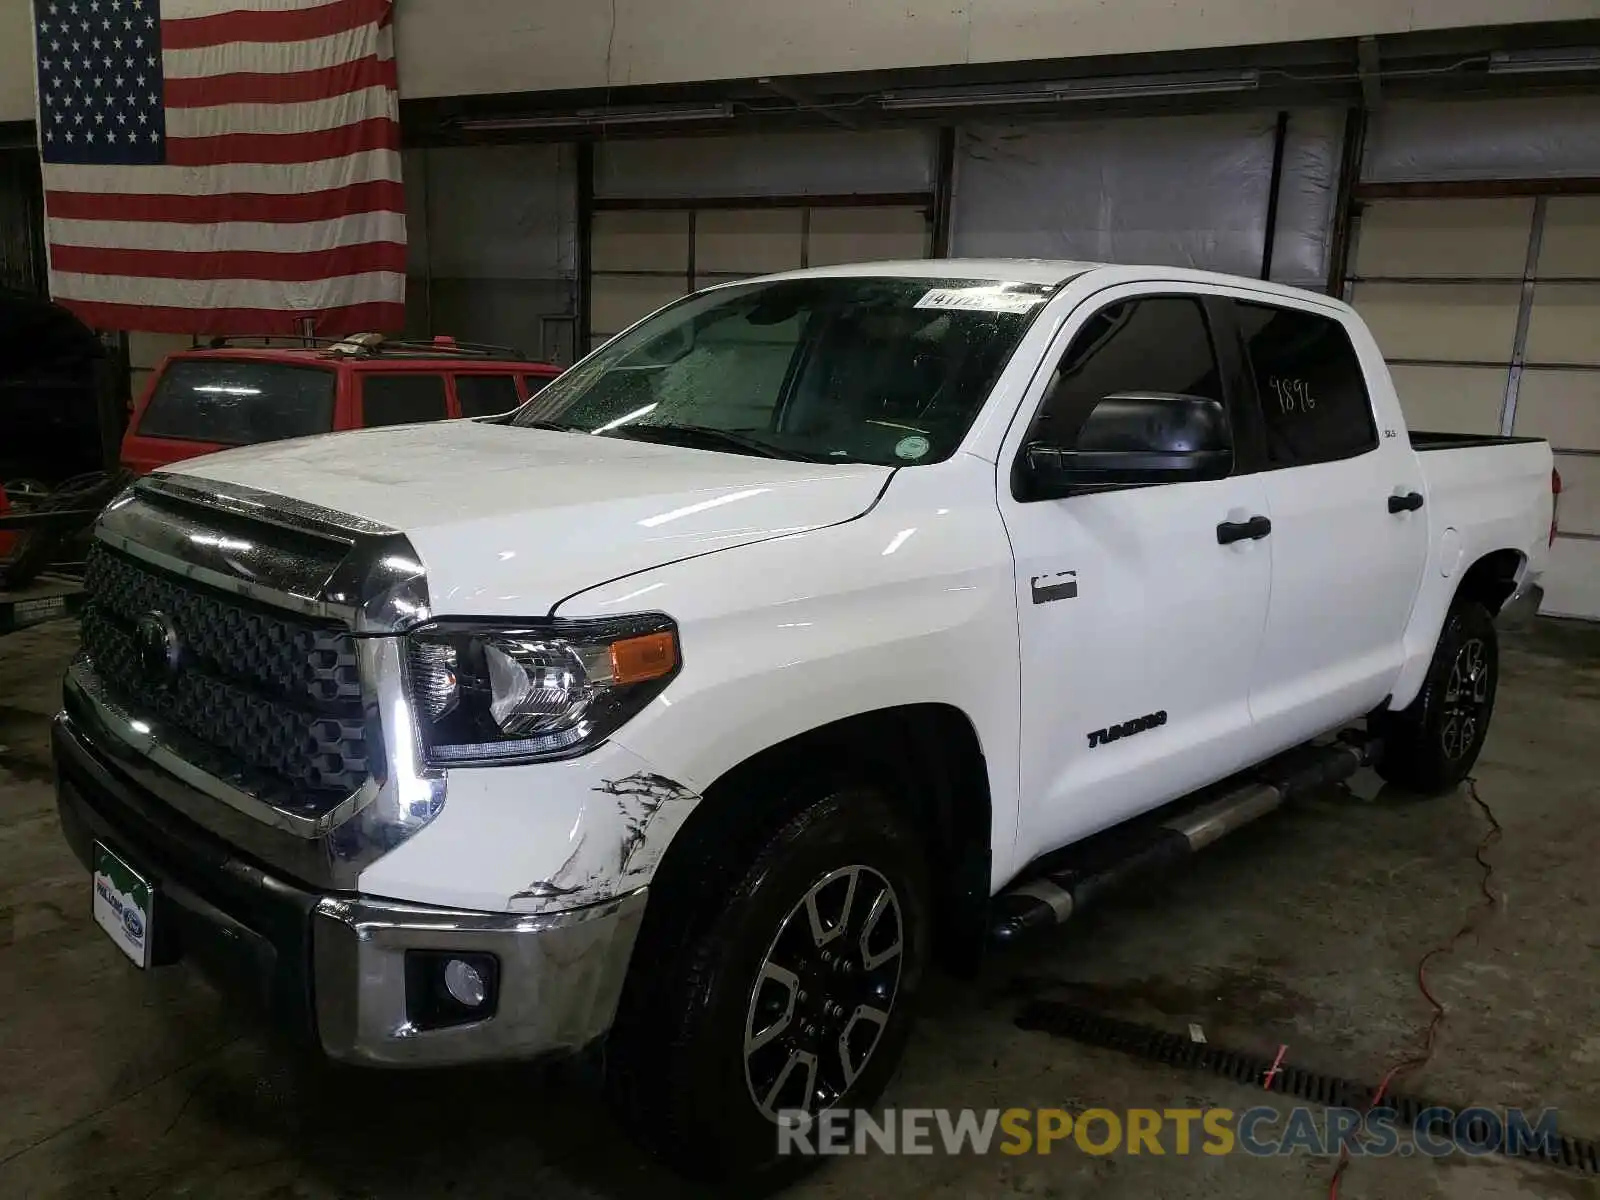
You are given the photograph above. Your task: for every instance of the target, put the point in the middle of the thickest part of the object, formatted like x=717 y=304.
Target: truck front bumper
x=358 y=975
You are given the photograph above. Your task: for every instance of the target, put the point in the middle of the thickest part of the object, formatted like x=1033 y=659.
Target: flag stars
x=155 y=135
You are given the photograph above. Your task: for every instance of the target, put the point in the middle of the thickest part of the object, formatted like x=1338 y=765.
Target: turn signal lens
x=640 y=659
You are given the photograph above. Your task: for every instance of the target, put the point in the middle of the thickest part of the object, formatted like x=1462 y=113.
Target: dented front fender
x=540 y=838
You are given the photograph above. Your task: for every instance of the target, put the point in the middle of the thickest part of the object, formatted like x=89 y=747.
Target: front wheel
x=1431 y=746
x=794 y=997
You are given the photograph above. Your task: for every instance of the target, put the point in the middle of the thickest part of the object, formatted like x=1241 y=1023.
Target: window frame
x=1233 y=374
x=366 y=377
x=518 y=396
x=1257 y=402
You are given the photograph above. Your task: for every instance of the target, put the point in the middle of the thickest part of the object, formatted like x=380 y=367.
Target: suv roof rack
x=376 y=345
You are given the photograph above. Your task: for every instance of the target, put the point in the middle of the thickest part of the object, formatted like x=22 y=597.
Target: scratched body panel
x=541 y=838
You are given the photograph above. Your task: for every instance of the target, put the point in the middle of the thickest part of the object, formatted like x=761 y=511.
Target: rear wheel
x=793 y=998
x=1433 y=744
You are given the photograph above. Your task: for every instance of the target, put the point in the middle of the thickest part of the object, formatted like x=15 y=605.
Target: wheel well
x=1491 y=580
x=926 y=757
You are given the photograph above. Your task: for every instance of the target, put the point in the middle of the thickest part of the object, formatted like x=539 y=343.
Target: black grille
x=278 y=694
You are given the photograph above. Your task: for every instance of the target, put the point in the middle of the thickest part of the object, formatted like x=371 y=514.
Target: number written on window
x=1293 y=395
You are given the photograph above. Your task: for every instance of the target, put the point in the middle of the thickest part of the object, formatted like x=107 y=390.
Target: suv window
x=402 y=399
x=1152 y=344
x=1312 y=389
x=239 y=402
x=486 y=395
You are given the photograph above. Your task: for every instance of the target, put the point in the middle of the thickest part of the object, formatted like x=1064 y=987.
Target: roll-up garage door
x=645 y=257
x=1488 y=311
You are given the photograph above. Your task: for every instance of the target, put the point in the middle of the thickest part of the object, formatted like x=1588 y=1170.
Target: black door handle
x=1410 y=502
x=1254 y=529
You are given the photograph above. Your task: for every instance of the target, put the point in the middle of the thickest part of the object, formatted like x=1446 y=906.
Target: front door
x=1139 y=628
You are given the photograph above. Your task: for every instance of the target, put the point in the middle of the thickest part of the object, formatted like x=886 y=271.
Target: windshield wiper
x=697 y=436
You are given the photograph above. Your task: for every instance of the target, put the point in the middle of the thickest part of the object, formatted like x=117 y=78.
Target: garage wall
x=447 y=47
x=493 y=246
x=1488 y=307
x=680 y=214
x=1177 y=191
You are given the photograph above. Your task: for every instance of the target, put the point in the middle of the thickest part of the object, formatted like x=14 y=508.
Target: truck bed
x=1421 y=440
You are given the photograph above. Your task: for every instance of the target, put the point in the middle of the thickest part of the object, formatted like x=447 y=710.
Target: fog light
x=465 y=983
x=450 y=987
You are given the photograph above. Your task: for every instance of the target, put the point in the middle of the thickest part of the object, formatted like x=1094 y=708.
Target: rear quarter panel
x=1480 y=499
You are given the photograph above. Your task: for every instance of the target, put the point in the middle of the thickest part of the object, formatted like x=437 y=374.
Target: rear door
x=1349 y=526
x=1138 y=627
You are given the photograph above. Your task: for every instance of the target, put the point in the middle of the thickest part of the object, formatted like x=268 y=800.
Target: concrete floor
x=1305 y=930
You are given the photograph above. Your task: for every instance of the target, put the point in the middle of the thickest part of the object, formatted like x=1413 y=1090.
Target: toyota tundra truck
x=782 y=650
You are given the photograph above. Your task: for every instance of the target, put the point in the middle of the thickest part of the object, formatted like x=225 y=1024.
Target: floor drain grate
x=1176 y=1050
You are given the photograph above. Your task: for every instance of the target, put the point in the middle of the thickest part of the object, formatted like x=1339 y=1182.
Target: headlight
x=521 y=693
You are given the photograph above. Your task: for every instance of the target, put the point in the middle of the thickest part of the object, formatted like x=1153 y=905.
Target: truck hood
x=510 y=521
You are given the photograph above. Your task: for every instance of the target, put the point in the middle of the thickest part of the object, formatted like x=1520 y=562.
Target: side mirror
x=1136 y=438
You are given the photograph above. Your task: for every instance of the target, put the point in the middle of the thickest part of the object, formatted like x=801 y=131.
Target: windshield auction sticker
x=981 y=299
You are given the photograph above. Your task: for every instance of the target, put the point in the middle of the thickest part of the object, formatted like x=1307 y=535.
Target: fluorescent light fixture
x=1064 y=91
x=1540 y=62
x=664 y=114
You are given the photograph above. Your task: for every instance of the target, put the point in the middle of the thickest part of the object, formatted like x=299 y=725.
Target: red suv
x=231 y=395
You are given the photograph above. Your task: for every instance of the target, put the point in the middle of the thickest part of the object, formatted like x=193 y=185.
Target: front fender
x=913 y=603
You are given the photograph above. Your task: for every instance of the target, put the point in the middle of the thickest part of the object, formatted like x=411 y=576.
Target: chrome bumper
x=560 y=977
x=1522 y=607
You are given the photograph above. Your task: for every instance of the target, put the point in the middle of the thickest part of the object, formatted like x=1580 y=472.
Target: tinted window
x=486 y=395
x=402 y=399
x=838 y=369
x=1312 y=389
x=238 y=402
x=1160 y=344
x=535 y=384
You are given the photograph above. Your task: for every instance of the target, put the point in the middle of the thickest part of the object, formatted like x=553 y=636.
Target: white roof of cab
x=999 y=270
x=1051 y=272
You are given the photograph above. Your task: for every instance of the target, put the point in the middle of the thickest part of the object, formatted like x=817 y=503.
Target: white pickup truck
x=778 y=649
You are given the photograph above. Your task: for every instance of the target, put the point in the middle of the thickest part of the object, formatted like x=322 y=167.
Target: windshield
x=827 y=369
x=238 y=402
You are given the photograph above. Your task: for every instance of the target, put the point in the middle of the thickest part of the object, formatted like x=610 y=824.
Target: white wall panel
x=845 y=235
x=1446 y=322
x=620 y=300
x=1307 y=198
x=1451 y=399
x=1565 y=325
x=1533 y=138
x=791 y=164
x=1176 y=191
x=1572 y=579
x=1434 y=238
x=1571 y=244
x=641 y=241
x=747 y=241
x=1580 y=493
x=1562 y=407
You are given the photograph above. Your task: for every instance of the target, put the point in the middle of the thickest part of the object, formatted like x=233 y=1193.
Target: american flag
x=222 y=166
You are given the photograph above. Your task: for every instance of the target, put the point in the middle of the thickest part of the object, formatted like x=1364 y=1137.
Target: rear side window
x=1313 y=392
x=402 y=399
x=1158 y=344
x=535 y=384
x=239 y=402
x=486 y=395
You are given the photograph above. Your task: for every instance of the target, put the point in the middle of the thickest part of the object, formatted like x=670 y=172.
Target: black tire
x=677 y=1071
x=1431 y=746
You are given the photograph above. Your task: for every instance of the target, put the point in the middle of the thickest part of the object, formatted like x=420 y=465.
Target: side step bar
x=1052 y=896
